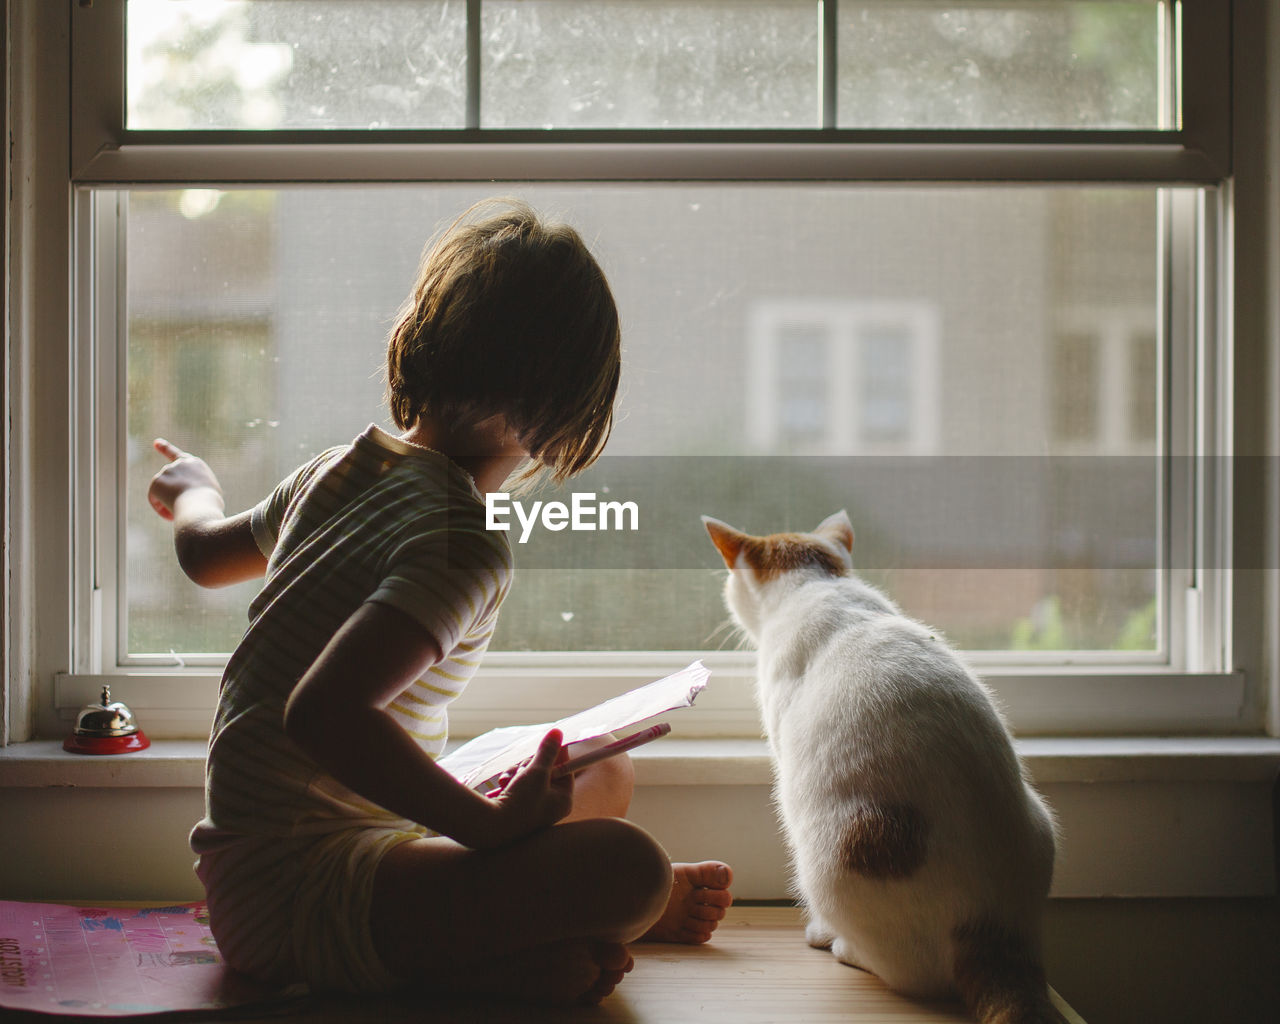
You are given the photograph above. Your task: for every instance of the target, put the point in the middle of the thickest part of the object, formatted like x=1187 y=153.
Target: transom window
x=415 y=64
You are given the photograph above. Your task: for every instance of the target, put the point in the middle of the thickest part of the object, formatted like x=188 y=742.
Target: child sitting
x=333 y=849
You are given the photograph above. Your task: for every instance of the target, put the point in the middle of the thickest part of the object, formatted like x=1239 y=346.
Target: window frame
x=1200 y=692
x=1197 y=150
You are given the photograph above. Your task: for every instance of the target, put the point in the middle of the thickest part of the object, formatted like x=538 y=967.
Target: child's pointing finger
x=170 y=451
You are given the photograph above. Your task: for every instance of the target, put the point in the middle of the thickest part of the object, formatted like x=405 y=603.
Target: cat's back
x=863 y=699
x=845 y=642
x=848 y=685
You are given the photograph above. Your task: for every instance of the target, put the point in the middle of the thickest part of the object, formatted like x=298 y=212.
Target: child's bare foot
x=563 y=973
x=699 y=899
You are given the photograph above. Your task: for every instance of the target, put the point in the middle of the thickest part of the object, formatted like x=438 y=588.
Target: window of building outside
x=978 y=372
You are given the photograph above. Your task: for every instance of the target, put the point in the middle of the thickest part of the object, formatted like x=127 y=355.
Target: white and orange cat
x=920 y=851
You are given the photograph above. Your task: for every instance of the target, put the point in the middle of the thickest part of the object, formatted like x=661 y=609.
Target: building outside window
x=842 y=377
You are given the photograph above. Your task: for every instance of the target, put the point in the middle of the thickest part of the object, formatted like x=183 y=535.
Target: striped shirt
x=378 y=520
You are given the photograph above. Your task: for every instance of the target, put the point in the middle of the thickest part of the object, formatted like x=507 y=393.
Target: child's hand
x=184 y=473
x=532 y=799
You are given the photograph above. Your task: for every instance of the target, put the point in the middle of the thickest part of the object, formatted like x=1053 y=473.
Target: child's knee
x=635 y=871
x=645 y=860
x=618 y=774
x=604 y=790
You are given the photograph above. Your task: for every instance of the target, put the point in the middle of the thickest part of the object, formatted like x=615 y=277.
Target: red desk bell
x=106 y=728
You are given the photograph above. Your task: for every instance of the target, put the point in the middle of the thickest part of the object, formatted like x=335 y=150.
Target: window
x=953 y=266
x=254 y=330
x=269 y=64
x=843 y=377
x=994 y=65
x=1104 y=366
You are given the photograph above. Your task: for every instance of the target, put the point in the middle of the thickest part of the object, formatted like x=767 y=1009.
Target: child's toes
x=692 y=935
x=612 y=956
x=709 y=874
x=604 y=985
x=699 y=896
x=720 y=898
x=614 y=961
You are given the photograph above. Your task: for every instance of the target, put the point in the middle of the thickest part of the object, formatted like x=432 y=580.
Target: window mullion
x=828 y=64
x=473 y=65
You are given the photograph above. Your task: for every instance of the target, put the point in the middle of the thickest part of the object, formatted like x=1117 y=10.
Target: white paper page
x=499 y=749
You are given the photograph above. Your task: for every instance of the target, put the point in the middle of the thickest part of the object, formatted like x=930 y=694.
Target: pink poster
x=113 y=962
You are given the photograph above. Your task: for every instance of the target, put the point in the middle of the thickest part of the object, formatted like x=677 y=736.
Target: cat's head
x=759 y=565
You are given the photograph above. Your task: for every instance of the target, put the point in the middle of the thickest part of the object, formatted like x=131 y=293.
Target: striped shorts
x=285 y=911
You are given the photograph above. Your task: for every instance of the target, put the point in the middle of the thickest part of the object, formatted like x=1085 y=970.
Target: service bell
x=107 y=727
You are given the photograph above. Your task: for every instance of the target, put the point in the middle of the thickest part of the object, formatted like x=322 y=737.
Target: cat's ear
x=727 y=540
x=838 y=528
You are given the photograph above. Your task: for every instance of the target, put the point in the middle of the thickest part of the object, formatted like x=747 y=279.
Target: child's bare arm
x=213 y=549
x=337 y=715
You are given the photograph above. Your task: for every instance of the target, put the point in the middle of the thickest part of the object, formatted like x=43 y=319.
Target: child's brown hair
x=510 y=315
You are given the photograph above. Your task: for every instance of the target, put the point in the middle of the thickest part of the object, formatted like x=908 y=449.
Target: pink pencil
x=610 y=749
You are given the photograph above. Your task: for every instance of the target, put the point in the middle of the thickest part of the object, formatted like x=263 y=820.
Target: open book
x=491 y=754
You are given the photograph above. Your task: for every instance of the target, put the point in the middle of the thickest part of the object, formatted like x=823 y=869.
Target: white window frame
x=54 y=591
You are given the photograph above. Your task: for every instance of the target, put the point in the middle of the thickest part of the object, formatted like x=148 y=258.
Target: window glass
x=885 y=398
x=649 y=64
x=385 y=64
x=1143 y=405
x=1020 y=64
x=1075 y=387
x=801 y=375
x=233 y=64
x=256 y=326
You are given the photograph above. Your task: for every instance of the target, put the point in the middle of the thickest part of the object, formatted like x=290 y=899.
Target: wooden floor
x=757 y=970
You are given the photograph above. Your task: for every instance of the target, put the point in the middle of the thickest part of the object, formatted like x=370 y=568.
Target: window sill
x=166 y=763
x=517 y=689
x=1144 y=817
x=714 y=762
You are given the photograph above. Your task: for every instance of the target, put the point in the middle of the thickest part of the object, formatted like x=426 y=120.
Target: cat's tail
x=999 y=976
